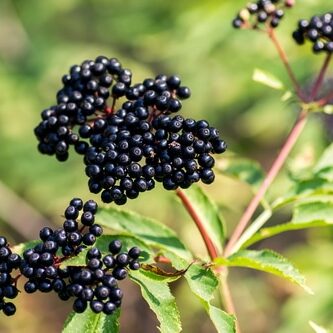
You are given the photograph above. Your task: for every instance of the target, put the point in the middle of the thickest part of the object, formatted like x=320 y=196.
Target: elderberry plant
x=132 y=136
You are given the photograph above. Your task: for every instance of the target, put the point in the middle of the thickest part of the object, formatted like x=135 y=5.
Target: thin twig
x=320 y=77
x=277 y=165
x=190 y=209
x=325 y=100
x=284 y=59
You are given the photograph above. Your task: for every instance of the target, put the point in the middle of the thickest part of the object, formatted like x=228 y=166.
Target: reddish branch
x=276 y=167
x=196 y=218
x=284 y=59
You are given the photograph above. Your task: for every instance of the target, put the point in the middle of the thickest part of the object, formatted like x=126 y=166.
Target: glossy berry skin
x=318 y=31
x=260 y=12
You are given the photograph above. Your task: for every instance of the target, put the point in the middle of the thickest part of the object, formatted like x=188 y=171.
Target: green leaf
x=208 y=213
x=311 y=212
x=317 y=328
x=160 y=300
x=203 y=283
x=267 y=79
x=89 y=321
x=20 y=248
x=267 y=261
x=326 y=160
x=147 y=230
x=314 y=209
x=223 y=322
x=103 y=244
x=243 y=169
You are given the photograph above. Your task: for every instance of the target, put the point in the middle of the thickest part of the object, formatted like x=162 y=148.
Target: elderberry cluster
x=93 y=283
x=40 y=263
x=318 y=30
x=262 y=11
x=127 y=148
x=90 y=91
x=8 y=262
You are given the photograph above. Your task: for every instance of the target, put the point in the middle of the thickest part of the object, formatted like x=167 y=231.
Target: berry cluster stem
x=274 y=170
x=284 y=59
x=212 y=251
x=321 y=76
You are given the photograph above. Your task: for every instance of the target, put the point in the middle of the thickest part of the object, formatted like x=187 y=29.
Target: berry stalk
x=212 y=251
x=321 y=76
x=273 y=172
x=284 y=59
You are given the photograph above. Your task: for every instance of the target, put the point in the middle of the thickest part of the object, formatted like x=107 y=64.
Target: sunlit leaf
x=267 y=79
x=317 y=328
x=89 y=321
x=267 y=261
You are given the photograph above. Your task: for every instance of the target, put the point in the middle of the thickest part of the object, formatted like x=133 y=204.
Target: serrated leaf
x=160 y=300
x=203 y=283
x=223 y=322
x=267 y=261
x=317 y=328
x=243 y=169
x=208 y=213
x=267 y=79
x=89 y=321
x=148 y=230
x=102 y=243
x=20 y=248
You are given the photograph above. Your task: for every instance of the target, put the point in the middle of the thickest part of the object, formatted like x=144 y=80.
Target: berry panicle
x=127 y=148
x=94 y=284
x=262 y=12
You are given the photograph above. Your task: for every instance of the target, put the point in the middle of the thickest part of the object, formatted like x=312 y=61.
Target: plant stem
x=284 y=59
x=277 y=165
x=190 y=209
x=227 y=298
x=320 y=77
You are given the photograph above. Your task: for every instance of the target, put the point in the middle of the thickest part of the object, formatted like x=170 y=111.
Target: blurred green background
x=40 y=40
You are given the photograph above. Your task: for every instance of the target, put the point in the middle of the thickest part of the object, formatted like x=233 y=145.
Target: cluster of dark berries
x=262 y=11
x=318 y=30
x=90 y=91
x=127 y=148
x=94 y=283
x=8 y=262
x=40 y=263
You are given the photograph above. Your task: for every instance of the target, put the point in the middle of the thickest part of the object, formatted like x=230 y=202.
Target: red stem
x=277 y=165
x=190 y=209
x=284 y=59
x=320 y=77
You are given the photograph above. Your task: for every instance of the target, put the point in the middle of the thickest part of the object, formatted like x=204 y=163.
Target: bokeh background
x=40 y=40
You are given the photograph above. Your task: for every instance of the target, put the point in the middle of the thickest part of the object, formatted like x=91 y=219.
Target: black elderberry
x=317 y=30
x=255 y=13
